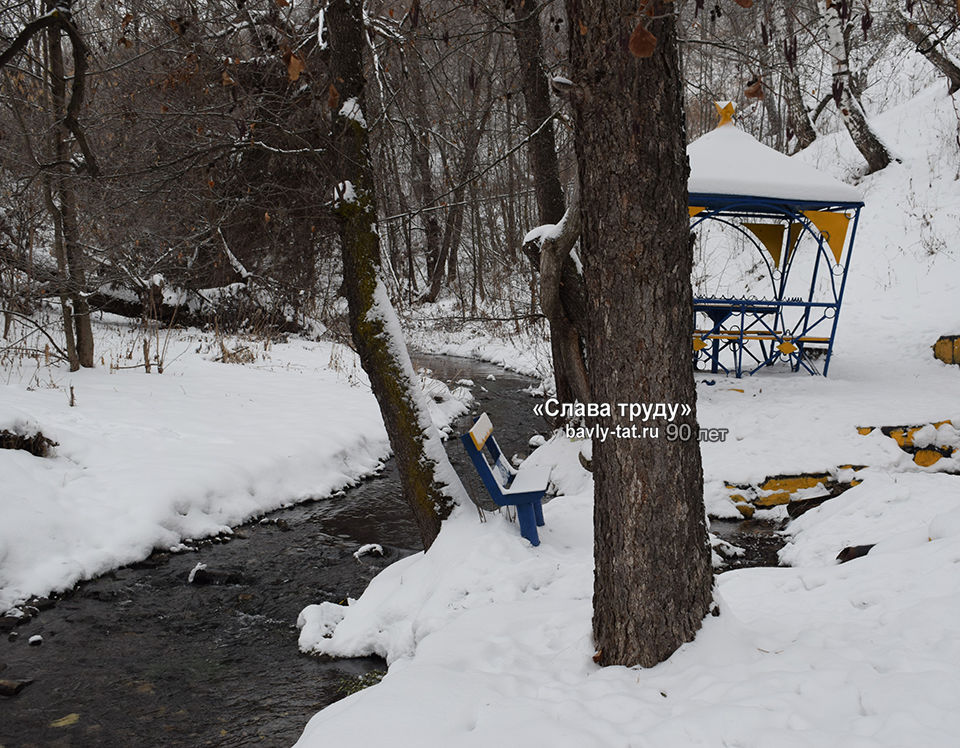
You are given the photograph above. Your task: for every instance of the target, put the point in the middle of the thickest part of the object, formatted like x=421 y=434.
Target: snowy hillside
x=489 y=639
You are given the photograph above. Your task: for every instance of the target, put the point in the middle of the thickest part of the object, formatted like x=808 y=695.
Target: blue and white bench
x=523 y=488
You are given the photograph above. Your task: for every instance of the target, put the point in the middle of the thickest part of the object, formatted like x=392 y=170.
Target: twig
x=57 y=348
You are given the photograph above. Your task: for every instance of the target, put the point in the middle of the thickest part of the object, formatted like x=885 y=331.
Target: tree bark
x=851 y=111
x=65 y=199
x=561 y=289
x=570 y=371
x=653 y=578
x=429 y=484
x=420 y=157
x=800 y=122
x=542 y=150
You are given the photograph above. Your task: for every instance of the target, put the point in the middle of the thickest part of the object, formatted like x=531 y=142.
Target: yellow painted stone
x=926 y=457
x=947 y=349
x=746 y=510
x=774 y=499
x=794 y=483
x=864 y=430
x=904 y=437
x=70 y=719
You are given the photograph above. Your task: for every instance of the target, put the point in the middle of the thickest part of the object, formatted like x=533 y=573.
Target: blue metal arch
x=763 y=341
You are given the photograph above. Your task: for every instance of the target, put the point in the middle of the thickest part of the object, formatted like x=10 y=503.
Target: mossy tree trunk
x=653 y=579
x=430 y=486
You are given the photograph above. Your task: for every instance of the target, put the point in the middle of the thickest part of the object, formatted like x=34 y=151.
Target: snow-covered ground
x=145 y=461
x=488 y=639
x=523 y=346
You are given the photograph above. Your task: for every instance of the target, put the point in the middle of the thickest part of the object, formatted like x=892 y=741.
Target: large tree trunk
x=561 y=287
x=430 y=485
x=653 y=578
x=851 y=111
x=929 y=50
x=542 y=150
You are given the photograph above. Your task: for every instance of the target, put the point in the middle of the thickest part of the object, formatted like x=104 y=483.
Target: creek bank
x=141 y=656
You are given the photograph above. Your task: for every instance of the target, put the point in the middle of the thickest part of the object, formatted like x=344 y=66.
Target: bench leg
x=528 y=523
x=538 y=512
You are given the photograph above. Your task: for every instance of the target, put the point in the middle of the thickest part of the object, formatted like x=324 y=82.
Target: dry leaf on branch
x=754 y=89
x=294 y=64
x=642 y=42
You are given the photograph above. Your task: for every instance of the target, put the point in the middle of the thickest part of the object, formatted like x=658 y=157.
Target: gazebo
x=802 y=223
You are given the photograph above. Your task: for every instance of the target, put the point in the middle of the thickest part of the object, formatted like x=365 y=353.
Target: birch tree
x=835 y=16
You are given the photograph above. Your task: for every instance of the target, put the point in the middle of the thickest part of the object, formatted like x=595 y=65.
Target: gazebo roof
x=727 y=163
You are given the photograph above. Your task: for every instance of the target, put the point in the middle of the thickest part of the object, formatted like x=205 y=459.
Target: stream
x=141 y=657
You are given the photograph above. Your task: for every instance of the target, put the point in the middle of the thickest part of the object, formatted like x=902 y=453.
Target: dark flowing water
x=140 y=657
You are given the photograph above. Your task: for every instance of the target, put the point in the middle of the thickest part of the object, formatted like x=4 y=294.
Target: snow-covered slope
x=145 y=461
x=489 y=639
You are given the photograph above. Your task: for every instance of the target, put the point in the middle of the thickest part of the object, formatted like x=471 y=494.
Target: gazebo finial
x=726 y=111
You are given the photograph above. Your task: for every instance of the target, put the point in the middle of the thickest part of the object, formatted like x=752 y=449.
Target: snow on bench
x=524 y=488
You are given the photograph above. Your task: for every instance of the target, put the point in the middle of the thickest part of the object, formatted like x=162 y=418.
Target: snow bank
x=489 y=639
x=146 y=461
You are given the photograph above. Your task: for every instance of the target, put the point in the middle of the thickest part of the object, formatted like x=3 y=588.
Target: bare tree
x=561 y=286
x=931 y=47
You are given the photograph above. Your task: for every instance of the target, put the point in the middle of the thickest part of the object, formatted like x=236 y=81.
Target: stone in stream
x=200 y=574
x=8 y=622
x=10 y=688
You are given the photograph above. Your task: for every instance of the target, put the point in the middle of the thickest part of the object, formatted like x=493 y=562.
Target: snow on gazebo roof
x=728 y=161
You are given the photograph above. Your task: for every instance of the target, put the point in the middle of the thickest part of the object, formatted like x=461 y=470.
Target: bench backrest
x=498 y=476
x=481 y=431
